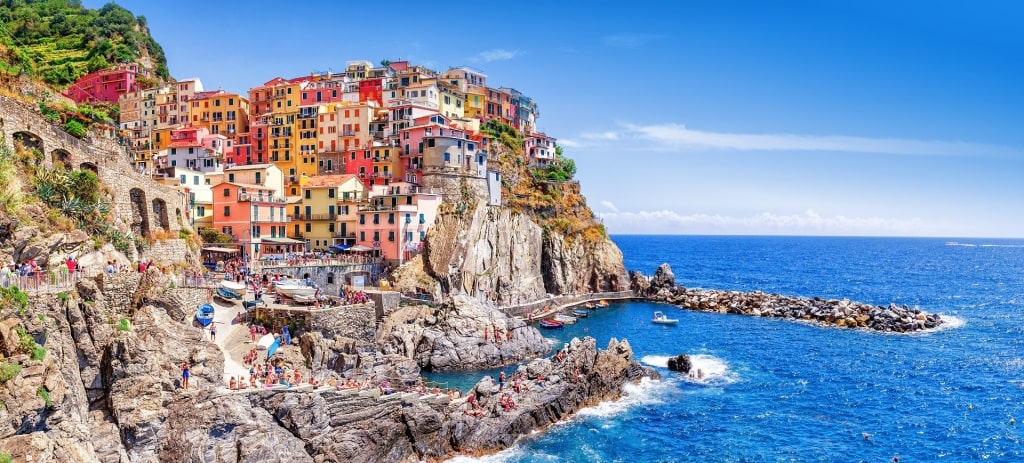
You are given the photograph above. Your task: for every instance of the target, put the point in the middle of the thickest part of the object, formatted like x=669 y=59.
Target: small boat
x=228 y=294
x=580 y=313
x=602 y=303
x=249 y=305
x=661 y=319
x=303 y=299
x=566 y=319
x=238 y=288
x=590 y=305
x=550 y=324
x=204 y=315
x=291 y=288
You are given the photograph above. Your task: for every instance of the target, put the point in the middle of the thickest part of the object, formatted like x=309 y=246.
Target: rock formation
x=833 y=312
x=680 y=363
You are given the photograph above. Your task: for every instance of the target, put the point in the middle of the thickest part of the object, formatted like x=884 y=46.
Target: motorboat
x=551 y=324
x=204 y=315
x=292 y=288
x=602 y=303
x=580 y=313
x=566 y=319
x=661 y=319
x=238 y=288
x=303 y=299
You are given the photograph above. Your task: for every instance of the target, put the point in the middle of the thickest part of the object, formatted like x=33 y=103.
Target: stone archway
x=160 y=212
x=140 y=214
x=92 y=167
x=60 y=156
x=29 y=140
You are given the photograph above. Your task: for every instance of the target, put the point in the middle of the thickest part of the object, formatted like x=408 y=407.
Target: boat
x=590 y=305
x=550 y=324
x=580 y=313
x=204 y=315
x=661 y=319
x=566 y=319
x=303 y=299
x=238 y=288
x=249 y=305
x=292 y=288
x=602 y=303
x=228 y=294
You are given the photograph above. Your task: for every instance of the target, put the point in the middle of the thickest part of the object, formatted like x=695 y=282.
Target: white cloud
x=678 y=136
x=766 y=223
x=569 y=143
x=497 y=54
x=605 y=136
x=609 y=205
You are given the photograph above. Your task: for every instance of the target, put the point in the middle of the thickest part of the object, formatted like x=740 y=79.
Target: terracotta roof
x=320 y=181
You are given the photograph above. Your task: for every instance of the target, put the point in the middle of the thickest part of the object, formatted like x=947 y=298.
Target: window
x=447 y=157
x=227 y=211
x=195 y=179
x=430 y=142
x=308 y=194
x=330 y=227
x=182 y=179
x=376 y=219
x=231 y=178
x=391 y=218
x=362 y=220
x=309 y=227
x=391 y=235
x=376 y=236
x=227 y=192
x=408 y=237
x=408 y=217
x=362 y=236
x=423 y=219
x=423 y=236
x=201 y=211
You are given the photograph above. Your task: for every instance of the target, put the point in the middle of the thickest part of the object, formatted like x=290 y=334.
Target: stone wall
x=357 y=322
x=167 y=253
x=387 y=302
x=118 y=288
x=155 y=206
x=329 y=278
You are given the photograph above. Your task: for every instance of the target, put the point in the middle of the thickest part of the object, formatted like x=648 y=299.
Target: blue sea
x=782 y=391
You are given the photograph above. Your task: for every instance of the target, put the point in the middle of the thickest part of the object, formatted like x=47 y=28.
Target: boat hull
x=204 y=315
x=551 y=324
x=293 y=290
x=238 y=288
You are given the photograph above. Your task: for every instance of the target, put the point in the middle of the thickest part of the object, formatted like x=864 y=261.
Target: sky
x=817 y=117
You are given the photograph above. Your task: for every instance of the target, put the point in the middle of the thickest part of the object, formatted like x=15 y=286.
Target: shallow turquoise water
x=783 y=391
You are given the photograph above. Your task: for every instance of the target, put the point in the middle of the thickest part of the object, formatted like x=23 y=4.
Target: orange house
x=254 y=217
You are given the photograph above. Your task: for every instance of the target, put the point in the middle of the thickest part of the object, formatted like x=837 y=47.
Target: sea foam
x=716 y=371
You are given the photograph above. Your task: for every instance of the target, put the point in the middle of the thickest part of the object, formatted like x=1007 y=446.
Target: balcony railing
x=260 y=198
x=315 y=217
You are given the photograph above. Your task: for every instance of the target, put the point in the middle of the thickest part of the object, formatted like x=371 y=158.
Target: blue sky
x=700 y=117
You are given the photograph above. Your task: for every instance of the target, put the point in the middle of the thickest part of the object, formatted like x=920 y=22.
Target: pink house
x=396 y=223
x=411 y=139
x=106 y=85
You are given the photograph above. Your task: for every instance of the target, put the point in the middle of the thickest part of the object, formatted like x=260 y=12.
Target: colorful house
x=106 y=85
x=254 y=216
x=396 y=223
x=322 y=217
x=539 y=149
x=195 y=148
x=221 y=112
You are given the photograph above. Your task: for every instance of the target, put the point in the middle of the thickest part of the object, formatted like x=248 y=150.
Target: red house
x=105 y=85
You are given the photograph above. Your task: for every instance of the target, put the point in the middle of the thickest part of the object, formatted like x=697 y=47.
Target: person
x=185 y=374
x=232 y=384
x=501 y=381
x=110 y=266
x=213 y=331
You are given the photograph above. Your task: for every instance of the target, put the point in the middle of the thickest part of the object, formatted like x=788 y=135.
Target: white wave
x=984 y=245
x=647 y=392
x=950 y=322
x=552 y=341
x=716 y=371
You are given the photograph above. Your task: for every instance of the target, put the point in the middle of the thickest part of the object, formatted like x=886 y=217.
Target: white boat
x=231 y=285
x=566 y=319
x=661 y=319
x=293 y=288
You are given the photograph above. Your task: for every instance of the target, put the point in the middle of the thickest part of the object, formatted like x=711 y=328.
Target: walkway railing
x=45 y=281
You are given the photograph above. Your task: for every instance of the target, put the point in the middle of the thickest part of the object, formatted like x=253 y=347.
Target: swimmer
x=867 y=436
x=1013 y=421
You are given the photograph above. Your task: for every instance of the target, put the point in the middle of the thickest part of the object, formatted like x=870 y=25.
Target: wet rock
x=680 y=363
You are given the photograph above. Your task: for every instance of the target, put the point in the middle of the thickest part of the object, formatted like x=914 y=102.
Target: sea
x=784 y=391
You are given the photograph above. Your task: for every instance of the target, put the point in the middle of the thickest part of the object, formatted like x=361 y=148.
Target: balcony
x=260 y=198
x=315 y=217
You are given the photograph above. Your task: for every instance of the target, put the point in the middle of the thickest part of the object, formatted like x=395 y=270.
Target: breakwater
x=833 y=312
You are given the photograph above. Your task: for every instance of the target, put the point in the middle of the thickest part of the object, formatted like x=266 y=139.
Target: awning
x=216 y=249
x=359 y=248
x=281 y=241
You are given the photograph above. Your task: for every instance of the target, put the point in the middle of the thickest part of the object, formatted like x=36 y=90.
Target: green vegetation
x=210 y=235
x=124 y=325
x=546 y=193
x=60 y=40
x=45 y=394
x=28 y=345
x=6 y=457
x=14 y=297
x=8 y=371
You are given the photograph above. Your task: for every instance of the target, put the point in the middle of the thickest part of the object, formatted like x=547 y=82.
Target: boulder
x=680 y=363
x=663 y=279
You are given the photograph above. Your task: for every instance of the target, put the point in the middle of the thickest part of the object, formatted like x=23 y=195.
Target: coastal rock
x=663 y=279
x=680 y=363
x=833 y=312
x=455 y=338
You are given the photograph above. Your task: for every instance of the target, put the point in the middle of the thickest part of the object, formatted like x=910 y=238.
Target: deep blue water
x=783 y=391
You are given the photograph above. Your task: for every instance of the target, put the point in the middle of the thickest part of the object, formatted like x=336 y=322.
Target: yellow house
x=451 y=100
x=325 y=215
x=222 y=112
x=476 y=102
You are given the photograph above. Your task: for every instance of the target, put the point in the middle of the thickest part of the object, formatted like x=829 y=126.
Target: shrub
x=75 y=128
x=8 y=371
x=45 y=394
x=124 y=326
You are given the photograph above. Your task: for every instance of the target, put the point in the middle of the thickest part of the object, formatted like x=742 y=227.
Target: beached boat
x=204 y=315
x=602 y=303
x=238 y=288
x=249 y=305
x=580 y=313
x=303 y=299
x=662 y=319
x=590 y=305
x=228 y=294
x=550 y=324
x=566 y=319
x=293 y=288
